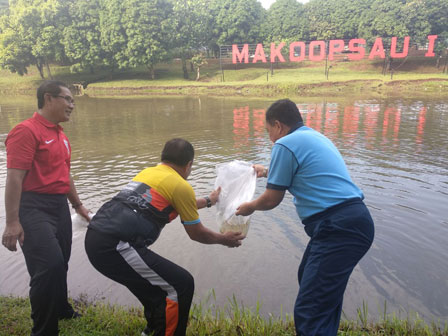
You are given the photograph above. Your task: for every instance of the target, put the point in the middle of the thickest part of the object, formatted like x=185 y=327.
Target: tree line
x=122 y=34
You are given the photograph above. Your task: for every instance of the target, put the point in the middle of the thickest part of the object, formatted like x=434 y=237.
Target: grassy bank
x=101 y=319
x=416 y=77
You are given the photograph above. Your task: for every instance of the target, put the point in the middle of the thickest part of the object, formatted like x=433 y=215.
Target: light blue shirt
x=310 y=167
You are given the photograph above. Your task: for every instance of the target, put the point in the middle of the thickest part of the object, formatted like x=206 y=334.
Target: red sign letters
x=317 y=50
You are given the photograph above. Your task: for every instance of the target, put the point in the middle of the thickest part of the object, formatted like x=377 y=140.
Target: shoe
x=146 y=332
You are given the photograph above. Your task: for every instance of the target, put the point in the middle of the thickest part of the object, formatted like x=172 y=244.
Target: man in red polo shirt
x=38 y=183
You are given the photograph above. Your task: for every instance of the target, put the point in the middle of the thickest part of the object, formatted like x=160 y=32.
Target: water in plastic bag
x=237 y=180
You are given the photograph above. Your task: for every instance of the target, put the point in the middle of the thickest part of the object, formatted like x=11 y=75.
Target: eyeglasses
x=68 y=99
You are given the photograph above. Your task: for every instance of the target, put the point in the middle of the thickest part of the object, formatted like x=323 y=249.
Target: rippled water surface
x=396 y=151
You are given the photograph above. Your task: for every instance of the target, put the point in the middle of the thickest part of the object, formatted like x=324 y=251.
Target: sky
x=267 y=3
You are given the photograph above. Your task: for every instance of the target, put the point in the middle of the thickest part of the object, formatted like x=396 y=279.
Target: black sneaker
x=147 y=332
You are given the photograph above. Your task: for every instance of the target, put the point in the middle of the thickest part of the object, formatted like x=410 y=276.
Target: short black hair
x=178 y=151
x=51 y=87
x=285 y=111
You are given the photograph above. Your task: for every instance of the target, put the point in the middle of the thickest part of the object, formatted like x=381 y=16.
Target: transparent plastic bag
x=237 y=180
x=79 y=222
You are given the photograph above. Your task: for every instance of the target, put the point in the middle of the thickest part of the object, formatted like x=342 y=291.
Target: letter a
x=259 y=54
x=377 y=49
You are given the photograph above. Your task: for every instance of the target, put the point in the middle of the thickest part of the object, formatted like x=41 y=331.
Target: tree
x=198 y=61
x=82 y=37
x=416 y=18
x=283 y=21
x=32 y=35
x=388 y=18
x=333 y=19
x=437 y=13
x=147 y=26
x=15 y=52
x=113 y=39
x=238 y=21
x=189 y=23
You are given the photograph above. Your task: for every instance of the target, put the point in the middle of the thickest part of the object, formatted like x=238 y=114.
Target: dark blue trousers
x=340 y=236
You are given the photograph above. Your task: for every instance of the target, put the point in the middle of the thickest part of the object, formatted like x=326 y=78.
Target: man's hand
x=214 y=195
x=232 y=239
x=13 y=233
x=201 y=234
x=84 y=212
x=260 y=170
x=245 y=209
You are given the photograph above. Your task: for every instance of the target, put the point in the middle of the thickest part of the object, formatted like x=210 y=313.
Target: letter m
x=240 y=56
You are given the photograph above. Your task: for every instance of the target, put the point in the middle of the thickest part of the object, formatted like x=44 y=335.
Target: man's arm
x=13 y=192
x=214 y=195
x=267 y=201
x=76 y=202
x=201 y=234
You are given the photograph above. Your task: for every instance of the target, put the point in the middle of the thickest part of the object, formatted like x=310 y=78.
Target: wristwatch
x=209 y=202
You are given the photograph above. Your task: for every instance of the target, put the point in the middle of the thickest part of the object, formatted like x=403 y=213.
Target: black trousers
x=47 y=226
x=164 y=288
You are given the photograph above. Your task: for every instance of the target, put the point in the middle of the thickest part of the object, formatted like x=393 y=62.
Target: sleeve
x=21 y=147
x=184 y=201
x=282 y=168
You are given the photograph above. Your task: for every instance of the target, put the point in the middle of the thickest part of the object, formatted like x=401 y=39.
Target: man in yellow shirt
x=119 y=234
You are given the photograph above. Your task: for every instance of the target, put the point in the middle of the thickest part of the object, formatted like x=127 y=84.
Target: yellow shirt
x=169 y=194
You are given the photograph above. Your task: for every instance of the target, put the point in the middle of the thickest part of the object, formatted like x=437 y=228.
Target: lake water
x=396 y=151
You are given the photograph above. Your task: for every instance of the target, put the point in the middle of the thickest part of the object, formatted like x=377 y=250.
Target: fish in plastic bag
x=237 y=180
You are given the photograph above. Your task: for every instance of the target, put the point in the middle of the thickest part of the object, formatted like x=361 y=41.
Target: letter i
x=431 y=40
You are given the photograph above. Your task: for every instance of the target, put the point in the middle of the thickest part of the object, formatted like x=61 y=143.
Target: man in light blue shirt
x=329 y=204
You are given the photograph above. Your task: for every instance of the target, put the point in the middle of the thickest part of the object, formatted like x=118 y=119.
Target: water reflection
x=336 y=121
x=396 y=150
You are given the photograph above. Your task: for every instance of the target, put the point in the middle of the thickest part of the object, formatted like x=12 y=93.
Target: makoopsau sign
x=317 y=50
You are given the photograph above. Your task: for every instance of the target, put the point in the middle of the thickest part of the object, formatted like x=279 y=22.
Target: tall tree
x=82 y=36
x=32 y=35
x=333 y=19
x=437 y=11
x=113 y=38
x=15 y=51
x=387 y=18
x=49 y=35
x=284 y=21
x=238 y=21
x=189 y=25
x=147 y=26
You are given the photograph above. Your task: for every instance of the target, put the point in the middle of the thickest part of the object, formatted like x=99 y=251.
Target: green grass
x=234 y=319
x=416 y=76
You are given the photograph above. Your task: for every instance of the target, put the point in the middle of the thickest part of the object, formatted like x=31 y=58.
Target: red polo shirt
x=41 y=148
